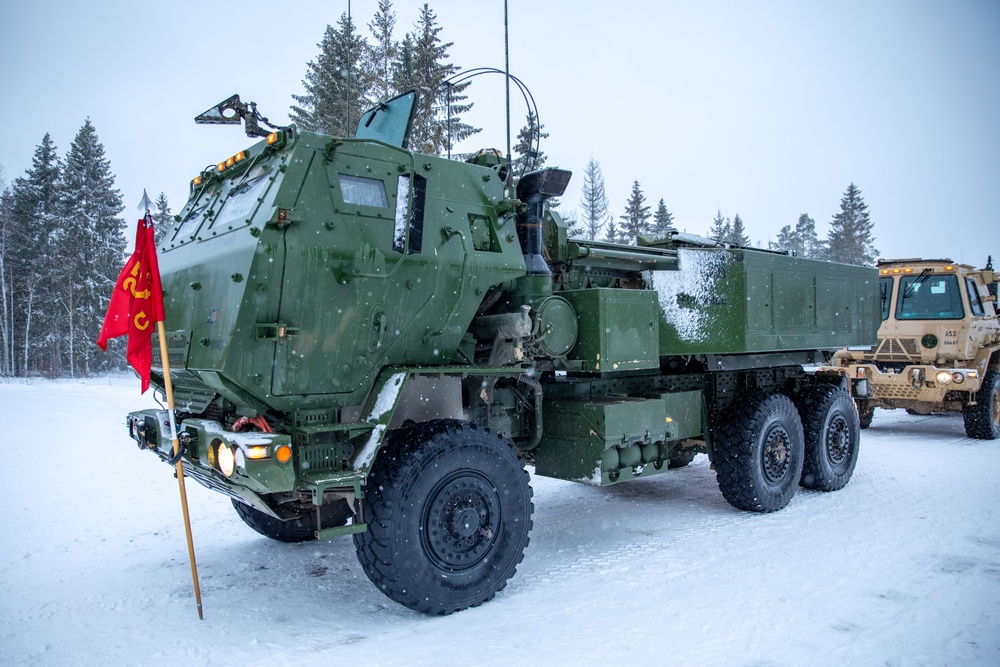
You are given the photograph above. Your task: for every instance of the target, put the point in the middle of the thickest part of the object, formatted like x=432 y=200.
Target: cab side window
x=975 y=303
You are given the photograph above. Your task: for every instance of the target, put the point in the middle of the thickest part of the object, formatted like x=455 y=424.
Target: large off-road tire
x=832 y=435
x=865 y=414
x=759 y=453
x=448 y=507
x=982 y=420
x=300 y=529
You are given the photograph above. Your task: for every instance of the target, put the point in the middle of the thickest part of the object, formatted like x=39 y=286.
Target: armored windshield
x=929 y=297
x=389 y=121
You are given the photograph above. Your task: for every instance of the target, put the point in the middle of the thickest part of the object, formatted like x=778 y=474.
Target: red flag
x=137 y=303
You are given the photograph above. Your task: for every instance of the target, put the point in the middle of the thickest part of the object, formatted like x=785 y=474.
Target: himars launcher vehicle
x=366 y=340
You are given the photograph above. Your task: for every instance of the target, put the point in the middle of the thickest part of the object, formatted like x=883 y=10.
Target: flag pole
x=168 y=389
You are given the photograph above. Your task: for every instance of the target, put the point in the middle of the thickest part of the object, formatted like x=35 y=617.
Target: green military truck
x=938 y=345
x=370 y=341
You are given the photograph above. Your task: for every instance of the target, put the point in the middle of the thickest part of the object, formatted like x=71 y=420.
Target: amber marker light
x=220 y=166
x=230 y=162
x=283 y=453
x=907 y=270
x=949 y=268
x=197 y=180
x=885 y=272
x=272 y=138
x=895 y=270
x=241 y=156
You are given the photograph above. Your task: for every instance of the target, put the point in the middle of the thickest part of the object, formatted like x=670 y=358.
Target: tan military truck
x=938 y=345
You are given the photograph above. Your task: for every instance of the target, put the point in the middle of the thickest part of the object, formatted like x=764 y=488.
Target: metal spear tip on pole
x=146 y=204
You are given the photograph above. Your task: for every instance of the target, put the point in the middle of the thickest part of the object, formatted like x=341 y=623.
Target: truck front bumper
x=919 y=383
x=244 y=466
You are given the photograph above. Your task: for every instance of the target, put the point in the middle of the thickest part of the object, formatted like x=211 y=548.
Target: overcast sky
x=768 y=109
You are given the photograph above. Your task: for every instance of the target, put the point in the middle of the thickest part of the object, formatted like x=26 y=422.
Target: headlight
x=959 y=378
x=227 y=460
x=943 y=377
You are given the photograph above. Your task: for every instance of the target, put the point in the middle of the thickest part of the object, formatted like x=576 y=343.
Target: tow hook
x=183 y=440
x=139 y=430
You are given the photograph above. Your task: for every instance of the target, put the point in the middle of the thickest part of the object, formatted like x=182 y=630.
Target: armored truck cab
x=938 y=345
x=367 y=340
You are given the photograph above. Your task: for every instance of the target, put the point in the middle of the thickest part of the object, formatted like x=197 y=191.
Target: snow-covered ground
x=902 y=567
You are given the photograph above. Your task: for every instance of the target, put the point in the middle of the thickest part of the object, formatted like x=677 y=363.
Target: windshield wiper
x=911 y=289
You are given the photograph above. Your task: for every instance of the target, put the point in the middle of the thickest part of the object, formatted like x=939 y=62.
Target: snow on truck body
x=399 y=333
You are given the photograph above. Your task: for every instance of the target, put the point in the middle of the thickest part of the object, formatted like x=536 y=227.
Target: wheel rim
x=461 y=522
x=774 y=454
x=838 y=440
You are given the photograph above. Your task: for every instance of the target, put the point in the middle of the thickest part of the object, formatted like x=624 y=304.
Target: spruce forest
x=63 y=237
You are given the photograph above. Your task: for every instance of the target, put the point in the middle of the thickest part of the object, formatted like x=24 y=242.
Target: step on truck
x=368 y=341
x=938 y=345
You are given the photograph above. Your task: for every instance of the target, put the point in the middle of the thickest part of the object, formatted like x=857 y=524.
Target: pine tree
x=738 y=234
x=788 y=239
x=527 y=149
x=613 y=235
x=336 y=83
x=162 y=219
x=437 y=126
x=800 y=241
x=850 y=239
x=593 y=201
x=721 y=228
x=89 y=243
x=805 y=230
x=29 y=260
x=635 y=220
x=663 y=221
x=383 y=54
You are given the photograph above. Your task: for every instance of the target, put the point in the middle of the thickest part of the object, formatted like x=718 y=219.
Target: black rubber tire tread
x=865 y=415
x=409 y=479
x=829 y=417
x=739 y=448
x=982 y=420
x=300 y=529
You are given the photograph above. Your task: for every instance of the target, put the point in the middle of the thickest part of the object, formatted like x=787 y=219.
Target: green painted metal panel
x=577 y=434
x=683 y=414
x=738 y=301
x=618 y=329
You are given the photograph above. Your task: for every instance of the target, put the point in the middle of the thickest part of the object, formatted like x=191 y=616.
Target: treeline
x=849 y=239
x=61 y=248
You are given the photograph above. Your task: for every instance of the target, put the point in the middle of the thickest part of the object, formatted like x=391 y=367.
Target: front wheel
x=982 y=419
x=759 y=452
x=448 y=507
x=832 y=434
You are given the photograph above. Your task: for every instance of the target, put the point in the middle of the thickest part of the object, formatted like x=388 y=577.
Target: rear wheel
x=982 y=419
x=448 y=507
x=300 y=528
x=832 y=434
x=759 y=454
